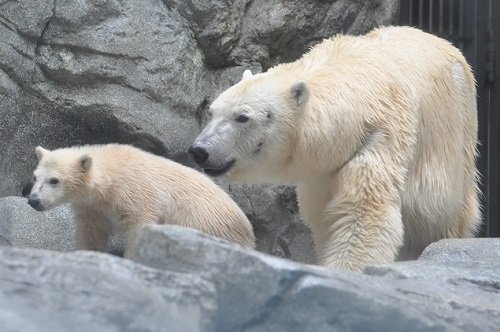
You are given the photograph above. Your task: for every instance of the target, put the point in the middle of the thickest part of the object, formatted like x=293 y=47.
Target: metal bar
x=477 y=56
x=421 y=14
x=431 y=15
x=461 y=25
x=410 y=21
x=441 y=17
x=494 y=167
x=450 y=17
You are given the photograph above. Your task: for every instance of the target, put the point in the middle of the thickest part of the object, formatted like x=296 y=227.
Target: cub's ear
x=85 y=162
x=40 y=152
x=300 y=93
x=246 y=75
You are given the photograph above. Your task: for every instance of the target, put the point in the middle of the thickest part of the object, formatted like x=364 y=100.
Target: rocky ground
x=177 y=279
x=143 y=73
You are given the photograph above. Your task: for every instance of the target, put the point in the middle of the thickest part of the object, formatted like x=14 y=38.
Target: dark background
x=474 y=27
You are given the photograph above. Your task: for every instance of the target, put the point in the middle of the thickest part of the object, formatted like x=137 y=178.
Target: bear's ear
x=40 y=152
x=246 y=75
x=85 y=162
x=300 y=93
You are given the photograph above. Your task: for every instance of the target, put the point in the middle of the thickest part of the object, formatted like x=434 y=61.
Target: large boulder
x=183 y=280
x=22 y=226
x=144 y=72
x=258 y=292
x=84 y=291
x=272 y=31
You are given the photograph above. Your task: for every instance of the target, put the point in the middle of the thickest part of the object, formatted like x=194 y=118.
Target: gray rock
x=22 y=226
x=144 y=73
x=454 y=250
x=258 y=292
x=272 y=31
x=84 y=291
x=278 y=228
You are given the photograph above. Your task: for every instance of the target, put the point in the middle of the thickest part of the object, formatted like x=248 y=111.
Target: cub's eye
x=34 y=178
x=242 y=118
x=54 y=181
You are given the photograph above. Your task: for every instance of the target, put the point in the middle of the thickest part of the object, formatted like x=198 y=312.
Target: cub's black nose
x=199 y=154
x=34 y=202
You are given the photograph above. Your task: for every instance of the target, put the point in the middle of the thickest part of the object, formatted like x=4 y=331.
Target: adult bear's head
x=252 y=128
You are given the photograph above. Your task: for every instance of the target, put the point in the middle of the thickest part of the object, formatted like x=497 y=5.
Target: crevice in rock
x=274 y=302
x=283 y=245
x=490 y=286
x=410 y=292
x=83 y=50
x=22 y=52
x=94 y=123
x=11 y=74
x=200 y=114
x=91 y=81
x=254 y=215
x=39 y=40
x=7 y=25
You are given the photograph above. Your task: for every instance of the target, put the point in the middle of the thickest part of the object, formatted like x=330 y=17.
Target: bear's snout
x=34 y=202
x=199 y=154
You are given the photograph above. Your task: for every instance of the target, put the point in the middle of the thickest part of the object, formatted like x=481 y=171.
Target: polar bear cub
x=378 y=132
x=117 y=187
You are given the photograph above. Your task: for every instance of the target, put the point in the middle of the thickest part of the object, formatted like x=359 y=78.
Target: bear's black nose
x=199 y=154
x=34 y=202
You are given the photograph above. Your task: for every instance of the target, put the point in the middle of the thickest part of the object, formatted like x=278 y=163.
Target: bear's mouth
x=221 y=170
x=35 y=204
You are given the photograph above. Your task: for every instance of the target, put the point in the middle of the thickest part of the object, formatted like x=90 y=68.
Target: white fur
x=119 y=187
x=382 y=151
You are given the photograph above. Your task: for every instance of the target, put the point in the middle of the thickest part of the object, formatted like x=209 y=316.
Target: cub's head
x=251 y=127
x=59 y=176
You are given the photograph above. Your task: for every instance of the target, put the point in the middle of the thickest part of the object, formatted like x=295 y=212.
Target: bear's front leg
x=362 y=224
x=92 y=229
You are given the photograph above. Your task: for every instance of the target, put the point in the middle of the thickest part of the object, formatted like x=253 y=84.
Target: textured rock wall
x=143 y=72
x=183 y=280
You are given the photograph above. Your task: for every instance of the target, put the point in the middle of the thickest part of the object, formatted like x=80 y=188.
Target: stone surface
x=258 y=292
x=144 y=72
x=273 y=31
x=84 y=291
x=182 y=280
x=22 y=226
x=278 y=227
x=455 y=250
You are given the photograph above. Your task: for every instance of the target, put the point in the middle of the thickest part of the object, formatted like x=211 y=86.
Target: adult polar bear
x=378 y=132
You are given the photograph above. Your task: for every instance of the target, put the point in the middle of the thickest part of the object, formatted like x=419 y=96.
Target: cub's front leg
x=131 y=226
x=92 y=229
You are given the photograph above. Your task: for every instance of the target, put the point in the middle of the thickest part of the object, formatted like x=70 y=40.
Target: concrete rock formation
x=143 y=72
x=182 y=280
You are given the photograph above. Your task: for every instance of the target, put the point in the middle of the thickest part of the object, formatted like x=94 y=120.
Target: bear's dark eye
x=54 y=181
x=34 y=178
x=242 y=118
